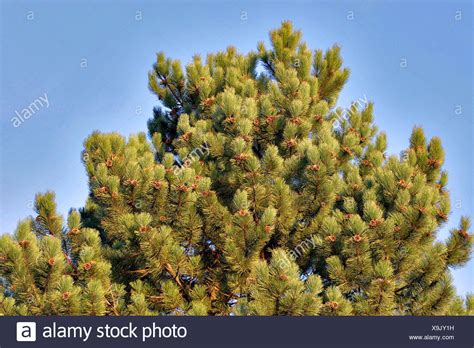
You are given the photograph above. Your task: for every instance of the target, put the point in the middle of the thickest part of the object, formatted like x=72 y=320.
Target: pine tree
x=256 y=196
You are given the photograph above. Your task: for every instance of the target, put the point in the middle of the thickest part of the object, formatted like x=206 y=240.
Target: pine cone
x=374 y=223
x=230 y=120
x=109 y=163
x=182 y=188
x=242 y=212
x=270 y=119
x=241 y=157
x=186 y=136
x=463 y=233
x=103 y=190
x=73 y=231
x=24 y=243
x=314 y=167
x=296 y=120
x=291 y=143
x=208 y=102
x=434 y=163
x=131 y=182
x=403 y=183
x=144 y=229
x=156 y=184
x=422 y=210
x=347 y=150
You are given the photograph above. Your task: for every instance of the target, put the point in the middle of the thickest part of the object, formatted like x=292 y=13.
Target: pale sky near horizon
x=413 y=59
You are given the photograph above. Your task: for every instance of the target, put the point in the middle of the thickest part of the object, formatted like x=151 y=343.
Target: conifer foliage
x=255 y=196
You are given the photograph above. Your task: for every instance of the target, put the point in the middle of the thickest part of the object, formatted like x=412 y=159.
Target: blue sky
x=413 y=59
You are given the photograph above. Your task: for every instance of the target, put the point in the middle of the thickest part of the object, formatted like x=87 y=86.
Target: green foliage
x=278 y=289
x=255 y=196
